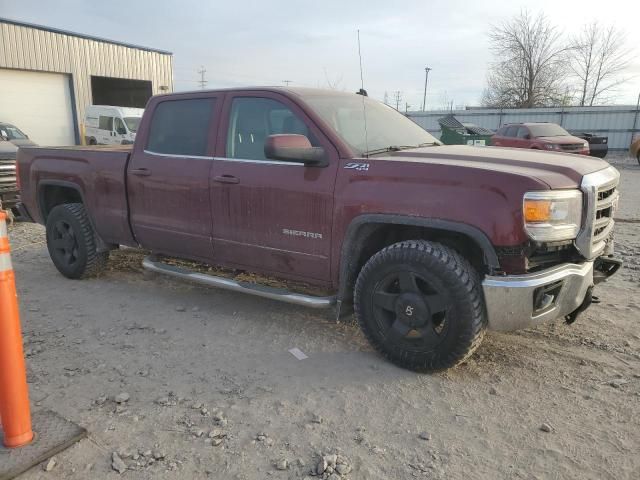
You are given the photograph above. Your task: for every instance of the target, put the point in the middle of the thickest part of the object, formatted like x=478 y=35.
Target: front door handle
x=226 y=179
x=140 y=172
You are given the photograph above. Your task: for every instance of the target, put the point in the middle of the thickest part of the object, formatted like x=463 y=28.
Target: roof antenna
x=363 y=92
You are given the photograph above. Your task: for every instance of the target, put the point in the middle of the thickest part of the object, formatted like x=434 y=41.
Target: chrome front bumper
x=510 y=299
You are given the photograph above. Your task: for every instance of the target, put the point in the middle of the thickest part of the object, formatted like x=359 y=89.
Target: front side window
x=105 y=123
x=511 y=131
x=181 y=127
x=523 y=132
x=253 y=119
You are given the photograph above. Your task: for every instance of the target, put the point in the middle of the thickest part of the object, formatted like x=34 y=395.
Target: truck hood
x=557 y=170
x=563 y=139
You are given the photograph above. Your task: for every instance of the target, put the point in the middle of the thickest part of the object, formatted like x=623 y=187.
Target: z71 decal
x=361 y=167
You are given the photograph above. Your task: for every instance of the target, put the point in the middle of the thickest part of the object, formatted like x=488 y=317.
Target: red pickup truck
x=430 y=244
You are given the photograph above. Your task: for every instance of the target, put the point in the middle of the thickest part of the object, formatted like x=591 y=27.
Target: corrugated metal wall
x=28 y=48
x=616 y=122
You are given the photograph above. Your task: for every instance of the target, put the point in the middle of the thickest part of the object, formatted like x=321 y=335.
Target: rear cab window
x=181 y=127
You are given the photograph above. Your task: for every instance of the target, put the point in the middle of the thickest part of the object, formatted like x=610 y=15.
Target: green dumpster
x=456 y=133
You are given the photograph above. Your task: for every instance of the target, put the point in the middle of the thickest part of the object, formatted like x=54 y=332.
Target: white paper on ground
x=299 y=354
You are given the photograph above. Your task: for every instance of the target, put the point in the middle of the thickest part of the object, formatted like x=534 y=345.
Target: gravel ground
x=178 y=381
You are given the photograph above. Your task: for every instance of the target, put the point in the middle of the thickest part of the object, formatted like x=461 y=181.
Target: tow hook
x=604 y=267
x=589 y=298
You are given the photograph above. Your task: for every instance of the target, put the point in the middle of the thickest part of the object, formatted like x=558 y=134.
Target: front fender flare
x=355 y=231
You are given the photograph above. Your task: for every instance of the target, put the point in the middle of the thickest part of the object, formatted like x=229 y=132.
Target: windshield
x=132 y=123
x=386 y=127
x=547 y=130
x=13 y=133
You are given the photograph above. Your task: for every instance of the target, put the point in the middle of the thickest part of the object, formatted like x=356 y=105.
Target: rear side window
x=181 y=127
x=106 y=123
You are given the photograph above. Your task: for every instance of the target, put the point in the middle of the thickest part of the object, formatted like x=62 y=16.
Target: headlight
x=551 y=216
x=585 y=145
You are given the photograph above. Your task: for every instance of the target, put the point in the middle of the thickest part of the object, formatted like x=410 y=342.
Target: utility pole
x=202 y=81
x=287 y=82
x=397 y=96
x=406 y=107
x=426 y=79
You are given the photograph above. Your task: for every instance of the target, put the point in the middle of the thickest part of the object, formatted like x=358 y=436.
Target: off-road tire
x=451 y=273
x=84 y=261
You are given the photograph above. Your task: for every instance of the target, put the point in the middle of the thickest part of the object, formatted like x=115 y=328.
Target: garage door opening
x=121 y=92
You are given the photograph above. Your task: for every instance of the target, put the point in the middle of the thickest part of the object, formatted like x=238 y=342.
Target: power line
x=202 y=81
x=397 y=97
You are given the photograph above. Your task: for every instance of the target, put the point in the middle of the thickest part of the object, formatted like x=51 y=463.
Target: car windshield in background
x=132 y=123
x=548 y=130
x=13 y=133
x=387 y=129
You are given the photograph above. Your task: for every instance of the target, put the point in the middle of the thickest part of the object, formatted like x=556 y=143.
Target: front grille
x=8 y=187
x=570 y=147
x=601 y=197
x=7 y=173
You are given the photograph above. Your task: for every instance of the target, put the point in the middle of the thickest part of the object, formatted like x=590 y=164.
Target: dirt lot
x=214 y=393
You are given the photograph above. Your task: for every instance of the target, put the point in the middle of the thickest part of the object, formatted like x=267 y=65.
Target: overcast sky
x=314 y=43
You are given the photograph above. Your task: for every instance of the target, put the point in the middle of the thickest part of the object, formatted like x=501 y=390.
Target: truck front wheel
x=420 y=304
x=71 y=242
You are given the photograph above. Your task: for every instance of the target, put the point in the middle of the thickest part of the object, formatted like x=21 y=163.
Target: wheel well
x=53 y=195
x=371 y=238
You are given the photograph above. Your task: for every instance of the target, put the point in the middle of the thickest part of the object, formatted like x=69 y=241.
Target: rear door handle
x=226 y=179
x=140 y=172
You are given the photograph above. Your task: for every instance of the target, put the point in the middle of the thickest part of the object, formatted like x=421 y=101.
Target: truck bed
x=96 y=173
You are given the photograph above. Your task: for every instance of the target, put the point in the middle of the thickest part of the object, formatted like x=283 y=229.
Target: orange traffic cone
x=15 y=411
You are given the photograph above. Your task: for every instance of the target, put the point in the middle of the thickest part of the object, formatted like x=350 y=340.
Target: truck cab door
x=270 y=216
x=168 y=176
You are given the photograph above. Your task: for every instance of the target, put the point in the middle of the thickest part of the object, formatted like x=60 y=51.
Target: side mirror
x=527 y=136
x=122 y=131
x=289 y=147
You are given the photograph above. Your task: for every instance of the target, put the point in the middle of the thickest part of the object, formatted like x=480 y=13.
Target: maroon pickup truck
x=431 y=245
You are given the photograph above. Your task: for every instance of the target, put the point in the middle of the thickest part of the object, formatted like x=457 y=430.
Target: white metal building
x=49 y=76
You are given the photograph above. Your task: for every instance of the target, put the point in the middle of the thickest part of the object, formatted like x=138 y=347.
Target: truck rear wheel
x=419 y=303
x=71 y=242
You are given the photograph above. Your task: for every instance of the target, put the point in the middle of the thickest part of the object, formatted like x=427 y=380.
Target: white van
x=108 y=125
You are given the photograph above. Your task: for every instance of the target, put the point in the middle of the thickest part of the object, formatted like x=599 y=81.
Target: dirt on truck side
x=554 y=401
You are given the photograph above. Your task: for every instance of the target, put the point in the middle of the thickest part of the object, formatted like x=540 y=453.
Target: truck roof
x=300 y=91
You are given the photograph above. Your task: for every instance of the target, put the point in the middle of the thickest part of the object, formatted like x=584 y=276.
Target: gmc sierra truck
x=430 y=245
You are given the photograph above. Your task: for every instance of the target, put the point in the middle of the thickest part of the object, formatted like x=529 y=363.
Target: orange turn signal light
x=537 y=210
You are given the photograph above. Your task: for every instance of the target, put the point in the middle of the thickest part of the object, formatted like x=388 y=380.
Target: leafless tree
x=335 y=84
x=530 y=66
x=598 y=56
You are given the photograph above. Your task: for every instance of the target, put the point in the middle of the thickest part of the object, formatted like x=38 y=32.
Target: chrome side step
x=265 y=291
